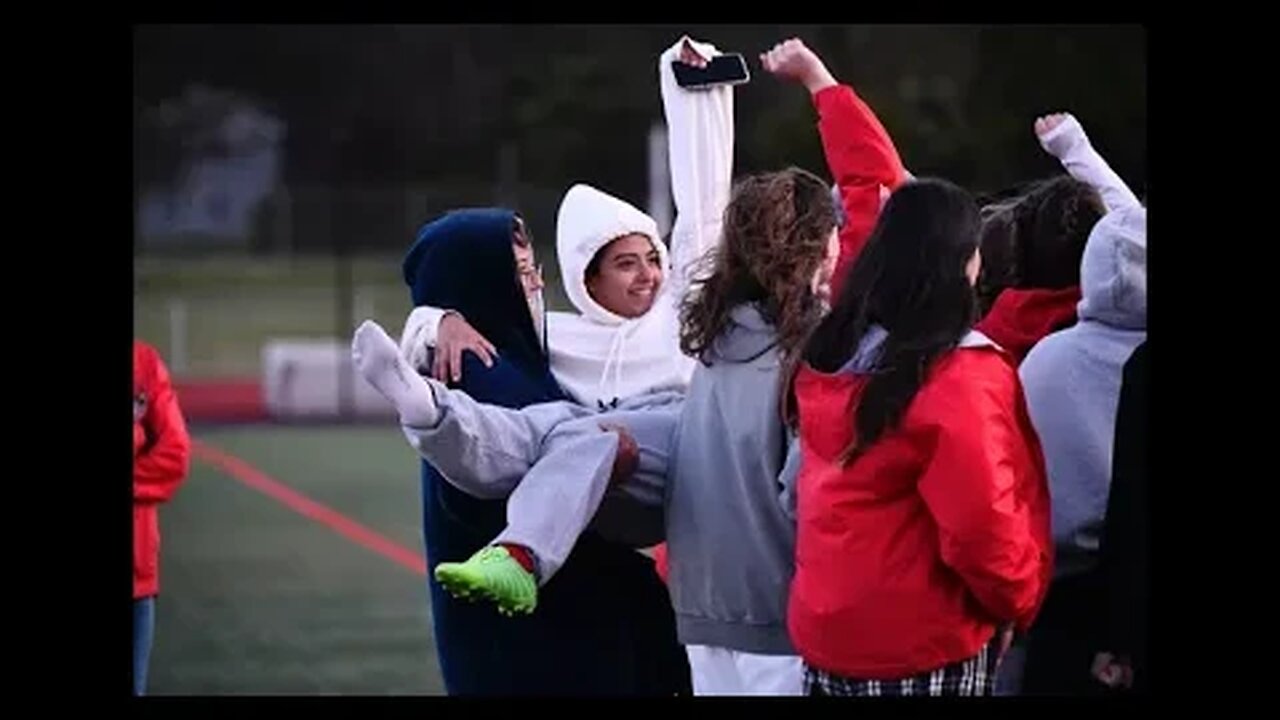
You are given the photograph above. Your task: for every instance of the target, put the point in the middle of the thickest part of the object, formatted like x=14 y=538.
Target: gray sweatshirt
x=731 y=546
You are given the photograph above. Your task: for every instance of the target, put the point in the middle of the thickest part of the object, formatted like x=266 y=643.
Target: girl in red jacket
x=161 y=453
x=923 y=509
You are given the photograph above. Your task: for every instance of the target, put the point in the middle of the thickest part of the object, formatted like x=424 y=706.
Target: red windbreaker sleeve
x=862 y=159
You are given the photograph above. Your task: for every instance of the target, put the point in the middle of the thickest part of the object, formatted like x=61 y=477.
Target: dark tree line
x=496 y=109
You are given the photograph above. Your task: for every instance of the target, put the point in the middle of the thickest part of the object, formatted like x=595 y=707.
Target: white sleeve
x=700 y=156
x=419 y=336
x=1071 y=146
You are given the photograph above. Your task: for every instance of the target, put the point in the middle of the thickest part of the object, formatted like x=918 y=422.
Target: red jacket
x=161 y=456
x=1019 y=319
x=910 y=557
x=862 y=158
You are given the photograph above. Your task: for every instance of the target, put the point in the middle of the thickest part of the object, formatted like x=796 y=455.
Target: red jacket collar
x=1021 y=318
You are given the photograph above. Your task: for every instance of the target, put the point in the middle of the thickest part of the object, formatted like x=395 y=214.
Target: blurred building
x=226 y=160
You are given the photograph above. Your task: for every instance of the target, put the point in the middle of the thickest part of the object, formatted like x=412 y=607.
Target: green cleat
x=494 y=575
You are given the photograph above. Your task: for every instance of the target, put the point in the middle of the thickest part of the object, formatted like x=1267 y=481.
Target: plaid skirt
x=975 y=676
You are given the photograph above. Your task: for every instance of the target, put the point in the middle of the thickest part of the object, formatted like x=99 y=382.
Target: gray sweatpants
x=554 y=461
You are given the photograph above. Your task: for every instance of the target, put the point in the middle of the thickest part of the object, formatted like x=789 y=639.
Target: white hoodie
x=596 y=355
x=599 y=357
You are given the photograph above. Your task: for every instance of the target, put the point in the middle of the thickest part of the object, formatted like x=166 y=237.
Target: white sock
x=378 y=359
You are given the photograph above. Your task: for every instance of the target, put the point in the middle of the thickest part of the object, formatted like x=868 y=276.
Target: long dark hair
x=775 y=234
x=1036 y=238
x=910 y=280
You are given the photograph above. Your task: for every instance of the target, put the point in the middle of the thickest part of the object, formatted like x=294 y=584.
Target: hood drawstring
x=613 y=360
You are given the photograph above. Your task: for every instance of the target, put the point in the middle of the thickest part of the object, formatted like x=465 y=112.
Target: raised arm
x=700 y=155
x=1063 y=137
x=859 y=152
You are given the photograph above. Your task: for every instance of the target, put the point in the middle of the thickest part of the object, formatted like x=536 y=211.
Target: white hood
x=597 y=356
x=589 y=220
x=600 y=357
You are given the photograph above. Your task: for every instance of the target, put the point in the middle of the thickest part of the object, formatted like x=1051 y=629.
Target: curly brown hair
x=776 y=229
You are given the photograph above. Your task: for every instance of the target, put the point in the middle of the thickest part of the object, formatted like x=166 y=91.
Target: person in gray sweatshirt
x=1072 y=380
x=730 y=540
x=730 y=508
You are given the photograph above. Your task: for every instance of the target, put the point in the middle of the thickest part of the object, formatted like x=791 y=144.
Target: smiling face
x=625 y=276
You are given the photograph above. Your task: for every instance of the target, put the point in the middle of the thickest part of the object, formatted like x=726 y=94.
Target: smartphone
x=727 y=69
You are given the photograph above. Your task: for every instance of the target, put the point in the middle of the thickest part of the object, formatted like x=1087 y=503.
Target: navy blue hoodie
x=605 y=625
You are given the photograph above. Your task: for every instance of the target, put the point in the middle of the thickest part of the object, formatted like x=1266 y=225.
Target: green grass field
x=258 y=599
x=235 y=304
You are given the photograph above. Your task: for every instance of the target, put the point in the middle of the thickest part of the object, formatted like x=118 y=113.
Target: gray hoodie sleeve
x=484 y=450
x=1071 y=146
x=787 y=478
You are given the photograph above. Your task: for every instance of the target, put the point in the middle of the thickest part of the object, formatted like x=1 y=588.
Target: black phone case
x=720 y=70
